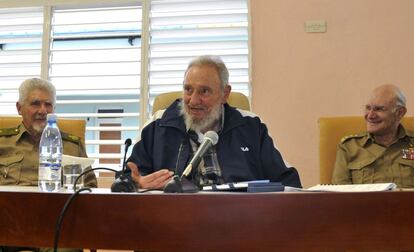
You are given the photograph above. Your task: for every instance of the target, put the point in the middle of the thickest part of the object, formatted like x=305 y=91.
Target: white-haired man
x=19 y=146
x=385 y=152
x=244 y=150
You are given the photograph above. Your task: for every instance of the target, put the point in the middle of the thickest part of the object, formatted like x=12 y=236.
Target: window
x=181 y=30
x=20 y=51
x=95 y=62
x=109 y=61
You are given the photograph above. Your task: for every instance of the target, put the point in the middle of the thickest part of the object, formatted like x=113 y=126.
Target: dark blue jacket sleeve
x=142 y=152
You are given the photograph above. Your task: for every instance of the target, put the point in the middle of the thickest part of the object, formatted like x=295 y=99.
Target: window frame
x=144 y=100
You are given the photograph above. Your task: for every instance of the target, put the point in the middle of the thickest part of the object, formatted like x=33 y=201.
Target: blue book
x=247 y=186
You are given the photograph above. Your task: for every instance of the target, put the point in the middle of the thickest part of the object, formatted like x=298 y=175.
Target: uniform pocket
x=362 y=171
x=10 y=159
x=406 y=168
x=10 y=165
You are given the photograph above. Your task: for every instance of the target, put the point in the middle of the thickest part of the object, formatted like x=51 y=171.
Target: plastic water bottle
x=50 y=156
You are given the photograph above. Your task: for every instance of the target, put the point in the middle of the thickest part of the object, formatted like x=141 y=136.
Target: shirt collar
x=23 y=134
x=401 y=133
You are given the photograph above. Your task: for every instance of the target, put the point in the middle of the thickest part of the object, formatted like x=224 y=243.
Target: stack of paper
x=347 y=188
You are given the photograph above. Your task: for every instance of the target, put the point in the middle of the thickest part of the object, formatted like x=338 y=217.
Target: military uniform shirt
x=359 y=160
x=19 y=157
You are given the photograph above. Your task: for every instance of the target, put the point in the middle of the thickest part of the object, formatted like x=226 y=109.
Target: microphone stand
x=124 y=181
x=177 y=184
x=180 y=185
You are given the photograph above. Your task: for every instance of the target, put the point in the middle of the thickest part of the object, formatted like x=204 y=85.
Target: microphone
x=182 y=184
x=210 y=139
x=124 y=181
x=180 y=150
x=127 y=143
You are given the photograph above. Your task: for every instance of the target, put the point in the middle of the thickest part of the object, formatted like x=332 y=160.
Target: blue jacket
x=245 y=150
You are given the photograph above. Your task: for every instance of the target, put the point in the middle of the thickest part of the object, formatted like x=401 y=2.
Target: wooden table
x=212 y=221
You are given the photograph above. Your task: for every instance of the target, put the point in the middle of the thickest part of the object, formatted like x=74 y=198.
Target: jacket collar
x=172 y=117
x=401 y=133
x=22 y=132
x=232 y=118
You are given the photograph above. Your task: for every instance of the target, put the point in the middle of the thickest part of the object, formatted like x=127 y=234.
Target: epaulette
x=359 y=135
x=71 y=138
x=9 y=131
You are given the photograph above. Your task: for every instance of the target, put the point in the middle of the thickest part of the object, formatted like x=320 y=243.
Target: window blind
x=95 y=62
x=20 y=51
x=183 y=29
x=94 y=55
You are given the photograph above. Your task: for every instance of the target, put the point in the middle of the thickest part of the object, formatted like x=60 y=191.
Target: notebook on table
x=377 y=187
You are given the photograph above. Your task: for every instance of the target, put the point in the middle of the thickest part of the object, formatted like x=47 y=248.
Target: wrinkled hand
x=155 y=180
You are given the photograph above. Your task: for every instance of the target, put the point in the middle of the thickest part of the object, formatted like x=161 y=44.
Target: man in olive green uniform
x=385 y=153
x=19 y=156
x=19 y=147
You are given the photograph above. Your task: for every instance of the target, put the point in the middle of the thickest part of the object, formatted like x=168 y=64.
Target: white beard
x=207 y=123
x=38 y=127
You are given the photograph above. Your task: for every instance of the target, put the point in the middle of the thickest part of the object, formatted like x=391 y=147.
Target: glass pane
x=182 y=30
x=20 y=47
x=95 y=64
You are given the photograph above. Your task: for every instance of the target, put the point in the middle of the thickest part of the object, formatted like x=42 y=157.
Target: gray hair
x=400 y=99
x=215 y=61
x=36 y=83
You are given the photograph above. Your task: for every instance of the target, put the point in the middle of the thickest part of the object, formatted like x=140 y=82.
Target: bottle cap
x=51 y=117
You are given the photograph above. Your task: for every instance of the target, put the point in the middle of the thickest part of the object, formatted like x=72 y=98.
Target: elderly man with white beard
x=244 y=151
x=19 y=146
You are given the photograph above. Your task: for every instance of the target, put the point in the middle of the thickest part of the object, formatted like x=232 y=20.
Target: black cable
x=89 y=170
x=69 y=201
x=62 y=214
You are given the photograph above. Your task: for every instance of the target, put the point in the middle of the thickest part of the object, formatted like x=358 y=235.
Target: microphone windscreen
x=128 y=141
x=212 y=135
